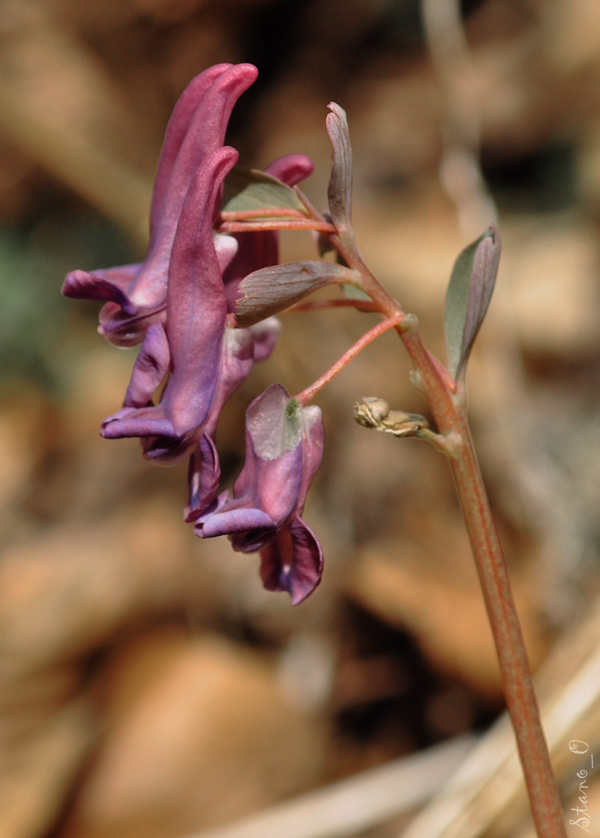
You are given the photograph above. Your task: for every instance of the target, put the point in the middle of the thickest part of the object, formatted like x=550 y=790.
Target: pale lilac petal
x=235 y=521
x=264 y=335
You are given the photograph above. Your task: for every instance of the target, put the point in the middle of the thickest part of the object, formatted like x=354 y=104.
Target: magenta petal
x=292 y=561
x=108 y=284
x=177 y=129
x=203 y=137
x=196 y=317
x=291 y=168
x=136 y=295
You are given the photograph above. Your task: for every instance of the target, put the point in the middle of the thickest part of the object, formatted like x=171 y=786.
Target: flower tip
x=336 y=110
x=495 y=235
x=249 y=71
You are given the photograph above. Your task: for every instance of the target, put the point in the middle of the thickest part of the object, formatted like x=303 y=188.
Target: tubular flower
x=284 y=447
x=136 y=295
x=192 y=347
x=179 y=303
x=176 y=301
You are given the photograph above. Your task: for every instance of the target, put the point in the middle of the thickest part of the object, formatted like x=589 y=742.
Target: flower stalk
x=306 y=395
x=447 y=401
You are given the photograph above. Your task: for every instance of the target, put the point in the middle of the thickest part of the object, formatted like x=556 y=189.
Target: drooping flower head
x=284 y=447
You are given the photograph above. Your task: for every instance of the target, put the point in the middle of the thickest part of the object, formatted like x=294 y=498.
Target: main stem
x=449 y=412
x=514 y=666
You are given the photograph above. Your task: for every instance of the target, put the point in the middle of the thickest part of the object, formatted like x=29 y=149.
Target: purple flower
x=284 y=446
x=241 y=348
x=205 y=366
x=177 y=300
x=189 y=344
x=179 y=303
x=136 y=295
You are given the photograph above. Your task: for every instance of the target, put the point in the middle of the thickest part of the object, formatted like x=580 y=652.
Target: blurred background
x=148 y=685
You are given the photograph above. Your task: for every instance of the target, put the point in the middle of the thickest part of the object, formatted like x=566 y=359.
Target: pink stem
x=265 y=212
x=284 y=224
x=315 y=305
x=306 y=395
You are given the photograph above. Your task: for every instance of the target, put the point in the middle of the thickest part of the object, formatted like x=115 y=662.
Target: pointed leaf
x=339 y=190
x=468 y=297
x=251 y=189
x=270 y=290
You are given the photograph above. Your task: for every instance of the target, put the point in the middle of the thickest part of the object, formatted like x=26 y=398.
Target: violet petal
x=196 y=321
x=151 y=366
x=292 y=561
x=236 y=521
x=203 y=479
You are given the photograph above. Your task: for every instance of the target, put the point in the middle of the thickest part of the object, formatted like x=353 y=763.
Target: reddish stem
x=447 y=401
x=265 y=212
x=284 y=224
x=315 y=305
x=514 y=666
x=306 y=395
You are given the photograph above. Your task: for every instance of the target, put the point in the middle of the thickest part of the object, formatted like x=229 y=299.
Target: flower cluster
x=179 y=303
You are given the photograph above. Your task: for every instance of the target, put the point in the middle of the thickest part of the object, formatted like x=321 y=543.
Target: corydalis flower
x=179 y=303
x=240 y=349
x=284 y=447
x=176 y=301
x=136 y=295
x=191 y=347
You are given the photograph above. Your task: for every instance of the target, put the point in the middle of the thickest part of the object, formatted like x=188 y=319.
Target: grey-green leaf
x=351 y=292
x=273 y=289
x=468 y=297
x=339 y=190
x=251 y=189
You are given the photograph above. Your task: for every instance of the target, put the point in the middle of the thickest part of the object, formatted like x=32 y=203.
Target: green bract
x=250 y=189
x=468 y=297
